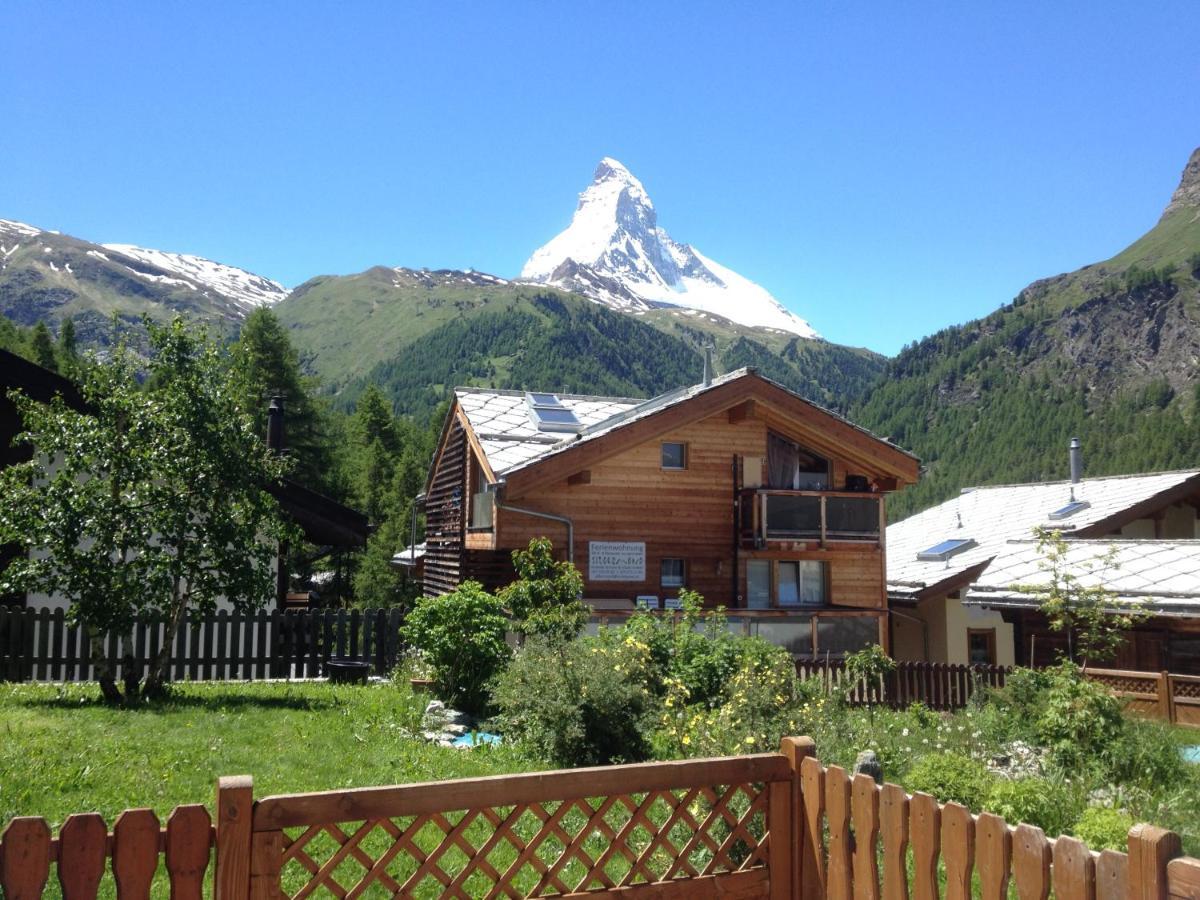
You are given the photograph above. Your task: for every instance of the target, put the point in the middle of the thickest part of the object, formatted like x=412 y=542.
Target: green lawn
x=63 y=751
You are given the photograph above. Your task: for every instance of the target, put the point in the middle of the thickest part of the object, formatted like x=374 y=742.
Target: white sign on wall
x=616 y=561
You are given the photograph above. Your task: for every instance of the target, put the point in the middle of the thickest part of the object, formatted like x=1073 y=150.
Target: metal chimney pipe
x=1076 y=461
x=707 y=366
x=275 y=424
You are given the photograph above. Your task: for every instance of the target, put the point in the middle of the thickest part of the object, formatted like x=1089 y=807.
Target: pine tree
x=267 y=365
x=43 y=348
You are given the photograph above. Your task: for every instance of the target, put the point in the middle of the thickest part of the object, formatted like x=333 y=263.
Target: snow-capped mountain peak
x=614 y=252
x=244 y=288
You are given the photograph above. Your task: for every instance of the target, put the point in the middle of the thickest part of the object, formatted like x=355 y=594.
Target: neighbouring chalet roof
x=1163 y=574
x=991 y=517
x=409 y=557
x=510 y=440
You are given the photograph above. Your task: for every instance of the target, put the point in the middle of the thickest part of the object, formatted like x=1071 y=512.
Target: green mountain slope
x=1109 y=353
x=419 y=333
x=47 y=277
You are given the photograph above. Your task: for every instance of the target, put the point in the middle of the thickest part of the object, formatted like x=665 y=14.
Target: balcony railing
x=822 y=516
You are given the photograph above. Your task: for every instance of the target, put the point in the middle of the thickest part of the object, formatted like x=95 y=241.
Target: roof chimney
x=1076 y=461
x=707 y=365
x=275 y=424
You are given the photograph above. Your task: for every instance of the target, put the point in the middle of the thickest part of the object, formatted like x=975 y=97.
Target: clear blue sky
x=885 y=169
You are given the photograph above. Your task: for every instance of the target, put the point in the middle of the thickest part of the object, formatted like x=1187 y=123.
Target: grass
x=63 y=751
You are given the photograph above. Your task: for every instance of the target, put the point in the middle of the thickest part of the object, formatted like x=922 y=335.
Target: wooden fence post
x=1166 y=697
x=1150 y=849
x=235 y=807
x=805 y=885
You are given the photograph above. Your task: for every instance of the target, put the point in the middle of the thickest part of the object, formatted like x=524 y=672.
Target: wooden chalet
x=738 y=489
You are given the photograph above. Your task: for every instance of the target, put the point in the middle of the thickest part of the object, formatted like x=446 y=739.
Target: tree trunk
x=104 y=673
x=156 y=677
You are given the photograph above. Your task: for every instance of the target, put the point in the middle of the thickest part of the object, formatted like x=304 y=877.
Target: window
x=981 y=646
x=1070 y=509
x=801 y=583
x=674 y=455
x=945 y=549
x=758 y=583
x=549 y=414
x=672 y=573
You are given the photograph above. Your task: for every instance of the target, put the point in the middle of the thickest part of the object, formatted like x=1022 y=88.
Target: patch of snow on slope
x=7 y=226
x=245 y=289
x=614 y=235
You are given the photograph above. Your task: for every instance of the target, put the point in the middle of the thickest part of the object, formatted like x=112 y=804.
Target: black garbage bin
x=347 y=670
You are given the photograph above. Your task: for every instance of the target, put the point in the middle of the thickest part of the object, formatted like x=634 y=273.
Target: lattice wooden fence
x=775 y=825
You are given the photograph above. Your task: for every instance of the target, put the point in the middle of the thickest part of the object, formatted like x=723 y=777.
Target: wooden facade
x=695 y=525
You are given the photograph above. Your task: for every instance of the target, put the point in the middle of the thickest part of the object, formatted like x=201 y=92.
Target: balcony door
x=791 y=467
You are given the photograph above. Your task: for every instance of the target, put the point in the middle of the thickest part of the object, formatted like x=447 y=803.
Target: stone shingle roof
x=1164 y=574
x=500 y=420
x=993 y=516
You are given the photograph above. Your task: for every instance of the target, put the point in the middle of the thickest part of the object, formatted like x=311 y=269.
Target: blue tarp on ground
x=475 y=738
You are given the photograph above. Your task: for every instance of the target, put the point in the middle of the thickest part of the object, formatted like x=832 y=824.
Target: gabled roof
x=993 y=516
x=501 y=423
x=1163 y=574
x=500 y=426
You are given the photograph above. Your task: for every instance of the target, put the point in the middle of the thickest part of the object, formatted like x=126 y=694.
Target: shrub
x=1145 y=755
x=951 y=777
x=698 y=651
x=1044 y=802
x=461 y=635
x=1078 y=720
x=1102 y=828
x=580 y=702
x=545 y=597
x=759 y=708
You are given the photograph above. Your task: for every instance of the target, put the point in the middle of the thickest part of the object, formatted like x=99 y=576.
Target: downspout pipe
x=497 y=490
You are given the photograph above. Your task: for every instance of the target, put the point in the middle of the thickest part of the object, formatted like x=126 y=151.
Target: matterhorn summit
x=614 y=252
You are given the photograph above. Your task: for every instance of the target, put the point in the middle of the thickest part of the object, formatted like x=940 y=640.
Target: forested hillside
x=417 y=334
x=1108 y=353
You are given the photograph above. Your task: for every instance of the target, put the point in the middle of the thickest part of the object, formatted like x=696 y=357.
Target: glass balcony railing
x=770 y=515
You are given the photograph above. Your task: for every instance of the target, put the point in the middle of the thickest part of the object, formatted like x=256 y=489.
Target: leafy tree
x=1087 y=612
x=267 y=365
x=544 y=599
x=149 y=503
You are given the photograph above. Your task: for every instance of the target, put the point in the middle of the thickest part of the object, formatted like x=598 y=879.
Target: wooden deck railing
x=772 y=825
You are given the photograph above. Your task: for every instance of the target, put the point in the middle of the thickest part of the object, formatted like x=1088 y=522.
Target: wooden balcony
x=821 y=517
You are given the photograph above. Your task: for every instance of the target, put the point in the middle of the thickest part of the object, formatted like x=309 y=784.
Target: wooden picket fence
x=41 y=645
x=940 y=686
x=772 y=825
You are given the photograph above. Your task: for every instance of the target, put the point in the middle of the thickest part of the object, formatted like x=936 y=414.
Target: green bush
x=545 y=597
x=1044 y=802
x=581 y=702
x=1145 y=755
x=1079 y=720
x=697 y=650
x=951 y=777
x=1102 y=828
x=759 y=708
x=461 y=635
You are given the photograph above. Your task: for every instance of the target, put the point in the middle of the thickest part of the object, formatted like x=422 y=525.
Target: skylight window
x=1070 y=509
x=549 y=414
x=945 y=549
